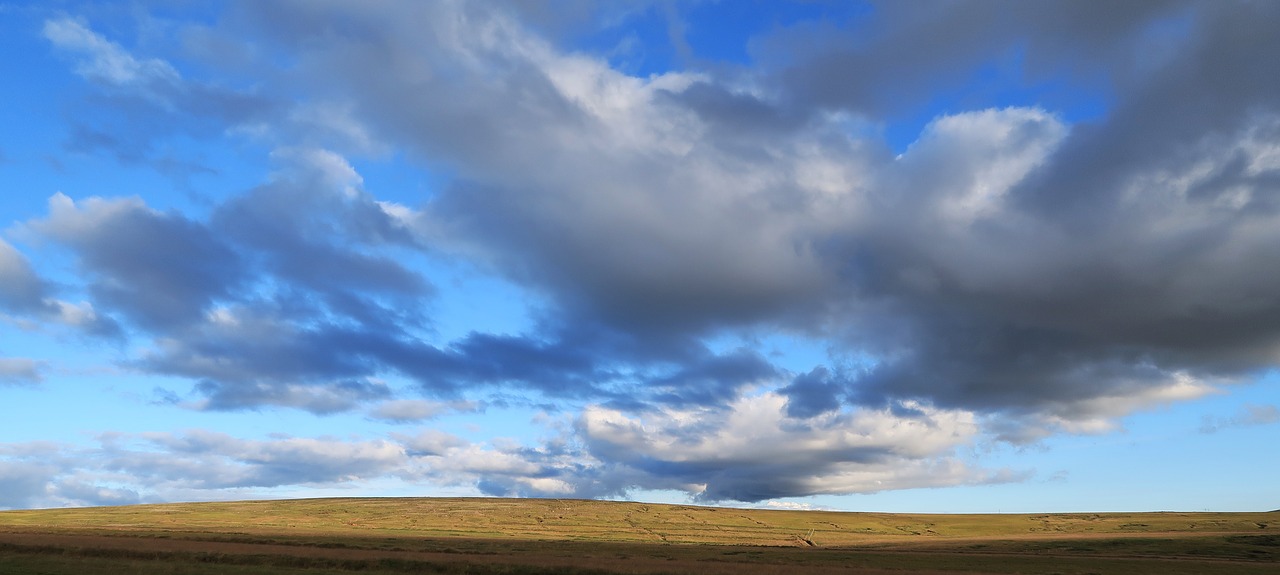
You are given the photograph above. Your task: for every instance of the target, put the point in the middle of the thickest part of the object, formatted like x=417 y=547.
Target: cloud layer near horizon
x=1009 y=275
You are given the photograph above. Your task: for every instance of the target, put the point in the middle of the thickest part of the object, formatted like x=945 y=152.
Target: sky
x=991 y=256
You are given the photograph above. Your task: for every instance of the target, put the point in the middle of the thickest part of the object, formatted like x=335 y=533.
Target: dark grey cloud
x=285 y=298
x=522 y=201
x=160 y=270
x=813 y=393
x=1217 y=83
x=278 y=361
x=260 y=348
x=903 y=55
x=22 y=290
x=1015 y=269
x=735 y=115
x=565 y=19
x=336 y=312
x=705 y=233
x=713 y=379
x=552 y=367
x=26 y=295
x=300 y=355
x=1031 y=309
x=315 y=229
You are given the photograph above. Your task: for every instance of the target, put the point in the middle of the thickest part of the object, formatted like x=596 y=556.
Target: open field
x=481 y=536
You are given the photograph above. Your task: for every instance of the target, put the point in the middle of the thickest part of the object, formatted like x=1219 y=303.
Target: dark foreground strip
x=387 y=565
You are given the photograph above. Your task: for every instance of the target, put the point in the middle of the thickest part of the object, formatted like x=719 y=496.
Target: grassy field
x=482 y=536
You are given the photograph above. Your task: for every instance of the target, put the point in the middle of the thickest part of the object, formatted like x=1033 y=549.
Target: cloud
x=23 y=484
x=205 y=465
x=27 y=295
x=1099 y=247
x=519 y=472
x=22 y=289
x=85 y=492
x=713 y=379
x=416 y=410
x=18 y=370
x=754 y=450
x=320 y=399
x=934 y=263
x=196 y=464
x=936 y=51
x=813 y=393
x=794 y=506
x=251 y=304
x=232 y=462
x=1249 y=415
x=143 y=102
x=751 y=451
x=160 y=270
x=1012 y=310
x=105 y=62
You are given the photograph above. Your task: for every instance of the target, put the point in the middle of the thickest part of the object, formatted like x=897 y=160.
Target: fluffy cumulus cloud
x=754 y=450
x=1018 y=270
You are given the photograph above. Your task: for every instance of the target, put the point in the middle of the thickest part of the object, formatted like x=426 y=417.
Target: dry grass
x=554 y=536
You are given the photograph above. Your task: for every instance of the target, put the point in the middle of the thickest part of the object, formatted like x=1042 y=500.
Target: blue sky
x=961 y=257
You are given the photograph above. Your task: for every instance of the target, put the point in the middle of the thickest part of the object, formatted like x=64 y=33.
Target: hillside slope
x=579 y=520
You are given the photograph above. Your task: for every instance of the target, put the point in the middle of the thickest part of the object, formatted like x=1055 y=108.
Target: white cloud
x=966 y=163
x=105 y=61
x=752 y=450
x=1094 y=415
x=756 y=428
x=334 y=124
x=319 y=167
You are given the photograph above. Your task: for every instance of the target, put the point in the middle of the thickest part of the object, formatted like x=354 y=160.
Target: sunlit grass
x=558 y=536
